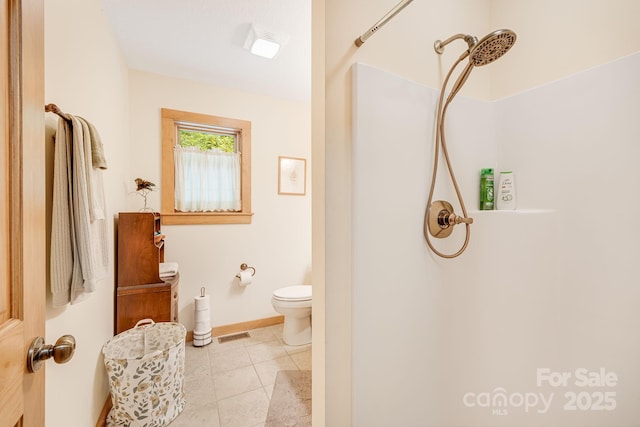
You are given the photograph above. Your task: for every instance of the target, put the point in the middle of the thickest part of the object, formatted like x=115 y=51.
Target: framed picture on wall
x=292 y=176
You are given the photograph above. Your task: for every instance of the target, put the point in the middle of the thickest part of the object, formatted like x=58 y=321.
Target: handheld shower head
x=491 y=47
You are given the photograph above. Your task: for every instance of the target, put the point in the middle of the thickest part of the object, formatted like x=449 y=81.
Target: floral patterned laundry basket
x=145 y=365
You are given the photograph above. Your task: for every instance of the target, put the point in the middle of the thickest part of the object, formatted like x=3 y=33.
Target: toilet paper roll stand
x=202 y=329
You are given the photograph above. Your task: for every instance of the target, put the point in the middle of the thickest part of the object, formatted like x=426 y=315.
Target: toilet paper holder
x=243 y=267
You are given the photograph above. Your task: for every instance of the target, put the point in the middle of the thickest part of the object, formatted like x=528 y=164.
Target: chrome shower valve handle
x=442 y=219
x=451 y=218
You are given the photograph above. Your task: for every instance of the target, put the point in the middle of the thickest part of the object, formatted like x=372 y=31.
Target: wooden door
x=22 y=209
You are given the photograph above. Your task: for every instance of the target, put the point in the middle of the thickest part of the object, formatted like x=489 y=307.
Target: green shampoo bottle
x=486 y=189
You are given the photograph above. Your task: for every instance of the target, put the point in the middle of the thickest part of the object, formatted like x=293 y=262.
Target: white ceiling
x=203 y=41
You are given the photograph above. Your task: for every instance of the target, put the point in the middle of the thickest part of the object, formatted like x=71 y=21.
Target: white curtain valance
x=206 y=181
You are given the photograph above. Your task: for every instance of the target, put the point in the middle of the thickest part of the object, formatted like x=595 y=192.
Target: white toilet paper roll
x=202 y=302
x=202 y=315
x=202 y=327
x=246 y=277
x=202 y=324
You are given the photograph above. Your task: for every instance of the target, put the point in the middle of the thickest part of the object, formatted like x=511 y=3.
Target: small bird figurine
x=144 y=185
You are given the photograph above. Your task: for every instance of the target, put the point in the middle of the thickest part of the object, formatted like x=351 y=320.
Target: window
x=206 y=169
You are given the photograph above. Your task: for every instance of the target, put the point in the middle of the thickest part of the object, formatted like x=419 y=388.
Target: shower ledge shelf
x=513 y=212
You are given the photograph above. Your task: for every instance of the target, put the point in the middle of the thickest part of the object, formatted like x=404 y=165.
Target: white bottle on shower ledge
x=506 y=192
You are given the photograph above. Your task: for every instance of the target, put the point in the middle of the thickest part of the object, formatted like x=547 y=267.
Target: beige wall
x=559 y=38
x=86 y=76
x=318 y=212
x=278 y=241
x=556 y=38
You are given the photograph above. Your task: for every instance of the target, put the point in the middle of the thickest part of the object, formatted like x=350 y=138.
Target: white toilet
x=294 y=303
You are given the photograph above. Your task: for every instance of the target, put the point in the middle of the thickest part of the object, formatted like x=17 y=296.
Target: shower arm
x=393 y=12
x=439 y=45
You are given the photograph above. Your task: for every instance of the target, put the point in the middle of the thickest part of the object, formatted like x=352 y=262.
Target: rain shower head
x=485 y=51
x=492 y=47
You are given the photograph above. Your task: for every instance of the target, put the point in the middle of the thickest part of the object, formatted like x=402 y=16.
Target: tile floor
x=229 y=384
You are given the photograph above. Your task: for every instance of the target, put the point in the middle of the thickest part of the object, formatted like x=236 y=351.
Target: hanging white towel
x=79 y=251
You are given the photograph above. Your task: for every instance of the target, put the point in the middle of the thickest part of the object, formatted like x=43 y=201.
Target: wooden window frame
x=170 y=120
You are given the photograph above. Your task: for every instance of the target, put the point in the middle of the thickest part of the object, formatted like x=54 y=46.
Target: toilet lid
x=293 y=293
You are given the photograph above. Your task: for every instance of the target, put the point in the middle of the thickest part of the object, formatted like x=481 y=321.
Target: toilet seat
x=293 y=293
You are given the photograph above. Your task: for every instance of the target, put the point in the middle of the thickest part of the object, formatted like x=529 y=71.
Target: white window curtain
x=206 y=181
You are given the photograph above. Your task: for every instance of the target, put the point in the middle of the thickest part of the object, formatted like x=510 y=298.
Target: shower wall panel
x=400 y=365
x=575 y=145
x=548 y=292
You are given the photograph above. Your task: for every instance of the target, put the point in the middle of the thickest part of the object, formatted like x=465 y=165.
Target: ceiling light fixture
x=264 y=43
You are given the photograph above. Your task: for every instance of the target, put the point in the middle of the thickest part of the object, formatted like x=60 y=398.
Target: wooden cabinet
x=140 y=292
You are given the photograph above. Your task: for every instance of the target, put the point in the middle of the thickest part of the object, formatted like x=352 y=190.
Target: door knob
x=61 y=352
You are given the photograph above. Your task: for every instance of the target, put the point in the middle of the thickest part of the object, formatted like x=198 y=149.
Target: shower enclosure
x=484 y=338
